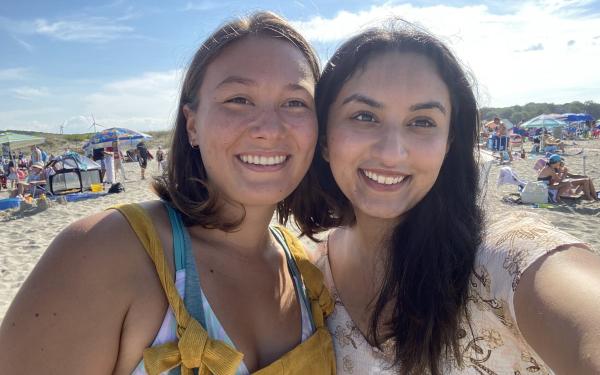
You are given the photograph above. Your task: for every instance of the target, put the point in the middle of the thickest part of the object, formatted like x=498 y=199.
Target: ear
x=190 y=123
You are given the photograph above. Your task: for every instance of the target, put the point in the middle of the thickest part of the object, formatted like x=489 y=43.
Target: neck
x=366 y=244
x=250 y=239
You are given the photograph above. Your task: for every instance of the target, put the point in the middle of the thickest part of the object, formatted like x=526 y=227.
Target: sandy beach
x=23 y=239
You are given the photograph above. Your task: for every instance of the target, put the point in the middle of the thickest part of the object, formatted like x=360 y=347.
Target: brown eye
x=364 y=117
x=296 y=104
x=238 y=100
x=423 y=123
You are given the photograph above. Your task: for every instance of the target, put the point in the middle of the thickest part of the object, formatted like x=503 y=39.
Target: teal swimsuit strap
x=295 y=273
x=184 y=260
x=178 y=237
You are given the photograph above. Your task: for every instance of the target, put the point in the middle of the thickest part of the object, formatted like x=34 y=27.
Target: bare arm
x=68 y=316
x=557 y=305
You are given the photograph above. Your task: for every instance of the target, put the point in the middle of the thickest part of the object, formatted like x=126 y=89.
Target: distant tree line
x=528 y=111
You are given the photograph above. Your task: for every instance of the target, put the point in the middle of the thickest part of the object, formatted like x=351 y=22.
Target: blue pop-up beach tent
x=575 y=117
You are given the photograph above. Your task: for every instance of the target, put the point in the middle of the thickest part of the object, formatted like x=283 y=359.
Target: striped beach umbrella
x=125 y=137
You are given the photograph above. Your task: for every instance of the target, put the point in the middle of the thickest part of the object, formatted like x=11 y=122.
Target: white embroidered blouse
x=496 y=346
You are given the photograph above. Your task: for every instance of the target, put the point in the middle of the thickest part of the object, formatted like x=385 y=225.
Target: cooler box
x=535 y=192
x=7 y=203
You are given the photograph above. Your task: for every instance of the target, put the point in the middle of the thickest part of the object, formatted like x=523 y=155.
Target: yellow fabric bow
x=194 y=350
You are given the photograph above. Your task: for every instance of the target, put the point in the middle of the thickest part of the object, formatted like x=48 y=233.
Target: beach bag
x=116 y=188
x=535 y=192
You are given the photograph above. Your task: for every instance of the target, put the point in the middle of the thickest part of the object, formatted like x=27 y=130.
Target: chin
x=260 y=197
x=384 y=212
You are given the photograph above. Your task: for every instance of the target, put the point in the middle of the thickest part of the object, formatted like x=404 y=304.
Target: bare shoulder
x=73 y=304
x=556 y=305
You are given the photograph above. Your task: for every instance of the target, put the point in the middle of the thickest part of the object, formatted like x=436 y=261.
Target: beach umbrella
x=15 y=140
x=10 y=141
x=544 y=121
x=126 y=138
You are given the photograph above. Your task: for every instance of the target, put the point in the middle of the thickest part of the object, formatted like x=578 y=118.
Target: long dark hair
x=431 y=253
x=184 y=183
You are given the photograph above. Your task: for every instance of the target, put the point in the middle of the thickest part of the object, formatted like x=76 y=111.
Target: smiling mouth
x=383 y=179
x=263 y=160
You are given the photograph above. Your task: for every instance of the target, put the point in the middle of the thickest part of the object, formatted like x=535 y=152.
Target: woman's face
x=387 y=134
x=255 y=123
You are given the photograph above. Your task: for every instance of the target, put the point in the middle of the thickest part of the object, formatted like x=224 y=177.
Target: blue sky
x=122 y=61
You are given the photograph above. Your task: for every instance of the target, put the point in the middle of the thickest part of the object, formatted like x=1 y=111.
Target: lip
x=382 y=187
x=265 y=154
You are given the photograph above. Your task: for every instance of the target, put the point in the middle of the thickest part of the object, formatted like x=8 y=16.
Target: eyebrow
x=238 y=80
x=249 y=82
x=362 y=99
x=375 y=104
x=428 y=105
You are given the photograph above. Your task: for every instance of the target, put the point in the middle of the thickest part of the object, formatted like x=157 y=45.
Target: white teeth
x=384 y=180
x=262 y=160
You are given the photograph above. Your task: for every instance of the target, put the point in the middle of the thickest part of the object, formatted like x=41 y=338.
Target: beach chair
x=516 y=143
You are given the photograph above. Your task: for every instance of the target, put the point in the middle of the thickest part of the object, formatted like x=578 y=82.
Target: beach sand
x=23 y=239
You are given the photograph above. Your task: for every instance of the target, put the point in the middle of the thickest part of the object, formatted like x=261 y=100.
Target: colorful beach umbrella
x=544 y=121
x=125 y=137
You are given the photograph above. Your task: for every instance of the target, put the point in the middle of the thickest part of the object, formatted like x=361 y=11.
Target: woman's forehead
x=259 y=59
x=393 y=76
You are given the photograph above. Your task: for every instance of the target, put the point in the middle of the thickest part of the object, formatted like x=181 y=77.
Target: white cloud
x=86 y=29
x=29 y=93
x=492 y=45
x=29 y=119
x=200 y=5
x=146 y=102
x=13 y=74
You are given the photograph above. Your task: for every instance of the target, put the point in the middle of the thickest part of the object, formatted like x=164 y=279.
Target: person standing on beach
x=199 y=280
x=36 y=154
x=420 y=285
x=160 y=159
x=118 y=159
x=143 y=155
x=492 y=126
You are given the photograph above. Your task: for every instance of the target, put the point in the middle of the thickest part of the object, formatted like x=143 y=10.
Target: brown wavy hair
x=184 y=183
x=430 y=255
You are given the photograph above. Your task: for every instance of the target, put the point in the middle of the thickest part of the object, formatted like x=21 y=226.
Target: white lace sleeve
x=511 y=245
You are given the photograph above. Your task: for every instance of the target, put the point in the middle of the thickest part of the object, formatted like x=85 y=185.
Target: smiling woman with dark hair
x=419 y=286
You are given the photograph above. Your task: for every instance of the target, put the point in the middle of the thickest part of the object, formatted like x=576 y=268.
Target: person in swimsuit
x=243 y=140
x=419 y=286
x=579 y=182
x=558 y=177
x=118 y=160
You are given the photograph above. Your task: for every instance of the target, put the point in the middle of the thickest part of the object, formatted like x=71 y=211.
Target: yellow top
x=195 y=349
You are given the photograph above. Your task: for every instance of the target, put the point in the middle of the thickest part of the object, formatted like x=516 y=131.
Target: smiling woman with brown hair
x=221 y=290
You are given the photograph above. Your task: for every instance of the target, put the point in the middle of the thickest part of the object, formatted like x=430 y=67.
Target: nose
x=267 y=126
x=391 y=147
